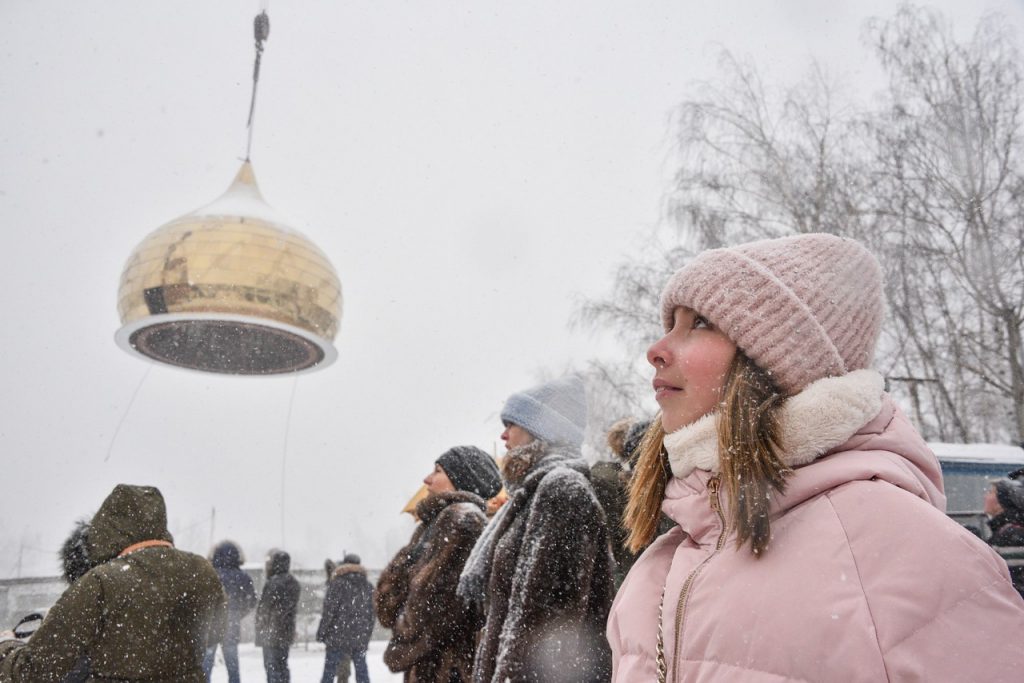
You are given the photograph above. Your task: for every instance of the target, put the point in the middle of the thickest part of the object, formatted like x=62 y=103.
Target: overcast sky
x=470 y=168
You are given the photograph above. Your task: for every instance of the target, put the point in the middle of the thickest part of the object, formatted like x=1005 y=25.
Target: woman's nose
x=657 y=354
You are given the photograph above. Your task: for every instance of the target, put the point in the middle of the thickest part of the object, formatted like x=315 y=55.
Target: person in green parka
x=147 y=612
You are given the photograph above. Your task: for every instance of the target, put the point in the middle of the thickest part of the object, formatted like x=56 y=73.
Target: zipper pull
x=713 y=492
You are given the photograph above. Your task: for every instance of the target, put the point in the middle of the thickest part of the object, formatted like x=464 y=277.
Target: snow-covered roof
x=979 y=452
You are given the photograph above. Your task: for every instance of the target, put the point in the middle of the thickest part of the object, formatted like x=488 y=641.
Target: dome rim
x=124 y=334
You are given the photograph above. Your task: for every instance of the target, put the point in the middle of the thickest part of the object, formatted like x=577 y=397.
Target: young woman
x=433 y=632
x=811 y=542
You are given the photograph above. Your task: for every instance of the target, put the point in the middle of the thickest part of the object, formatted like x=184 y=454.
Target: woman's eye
x=700 y=322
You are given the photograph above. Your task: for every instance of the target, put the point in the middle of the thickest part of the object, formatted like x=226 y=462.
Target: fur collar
x=822 y=416
x=430 y=507
x=525 y=466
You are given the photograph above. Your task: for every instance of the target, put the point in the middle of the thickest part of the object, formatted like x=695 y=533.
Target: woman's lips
x=663 y=389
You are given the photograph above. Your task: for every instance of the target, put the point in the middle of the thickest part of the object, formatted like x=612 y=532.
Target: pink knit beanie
x=801 y=307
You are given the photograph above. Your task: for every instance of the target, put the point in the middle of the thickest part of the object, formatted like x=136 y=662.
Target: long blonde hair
x=751 y=470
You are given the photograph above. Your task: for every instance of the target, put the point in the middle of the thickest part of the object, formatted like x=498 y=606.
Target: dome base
x=226 y=344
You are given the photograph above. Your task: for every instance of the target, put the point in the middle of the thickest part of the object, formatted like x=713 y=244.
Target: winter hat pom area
x=471 y=469
x=802 y=307
x=554 y=412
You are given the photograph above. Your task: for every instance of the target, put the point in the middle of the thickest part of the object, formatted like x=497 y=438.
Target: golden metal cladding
x=230 y=288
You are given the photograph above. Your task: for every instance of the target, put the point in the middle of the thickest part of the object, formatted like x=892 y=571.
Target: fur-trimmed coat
x=347 y=619
x=433 y=632
x=542 y=573
x=864 y=579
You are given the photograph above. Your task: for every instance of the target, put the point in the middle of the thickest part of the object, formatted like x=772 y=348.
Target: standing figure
x=275 y=616
x=433 y=632
x=227 y=561
x=1004 y=505
x=347 y=620
x=542 y=569
x=811 y=542
x=146 y=611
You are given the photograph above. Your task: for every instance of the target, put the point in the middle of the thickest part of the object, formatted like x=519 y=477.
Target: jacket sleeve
x=393 y=584
x=61 y=640
x=329 y=616
x=978 y=635
x=941 y=600
x=555 y=571
x=218 y=618
x=248 y=594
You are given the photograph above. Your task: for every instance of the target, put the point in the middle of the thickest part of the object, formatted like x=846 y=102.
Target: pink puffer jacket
x=865 y=578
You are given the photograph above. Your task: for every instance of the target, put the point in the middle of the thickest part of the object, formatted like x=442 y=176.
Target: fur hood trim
x=822 y=416
x=344 y=569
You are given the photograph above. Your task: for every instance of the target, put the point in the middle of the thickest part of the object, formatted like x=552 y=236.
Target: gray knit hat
x=471 y=469
x=802 y=307
x=555 y=412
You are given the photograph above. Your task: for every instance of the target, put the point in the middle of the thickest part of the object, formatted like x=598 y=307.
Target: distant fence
x=18 y=597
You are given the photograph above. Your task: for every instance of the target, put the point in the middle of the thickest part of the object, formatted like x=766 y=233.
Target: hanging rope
x=284 y=453
x=261 y=29
x=131 y=402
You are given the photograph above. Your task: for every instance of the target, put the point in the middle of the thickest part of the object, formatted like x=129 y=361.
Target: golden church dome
x=231 y=289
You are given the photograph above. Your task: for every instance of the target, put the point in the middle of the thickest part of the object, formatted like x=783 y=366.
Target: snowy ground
x=306 y=665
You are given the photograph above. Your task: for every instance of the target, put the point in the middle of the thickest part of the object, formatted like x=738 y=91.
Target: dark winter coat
x=433 y=631
x=610 y=481
x=145 y=616
x=227 y=560
x=279 y=603
x=347 y=619
x=543 y=568
x=611 y=485
x=1008 y=531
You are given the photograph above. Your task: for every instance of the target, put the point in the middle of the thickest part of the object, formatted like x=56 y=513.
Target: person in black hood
x=227 y=561
x=1004 y=505
x=275 y=616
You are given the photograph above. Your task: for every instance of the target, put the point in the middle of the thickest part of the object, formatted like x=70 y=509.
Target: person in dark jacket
x=275 y=616
x=433 y=631
x=145 y=612
x=344 y=671
x=227 y=561
x=1004 y=504
x=347 y=620
x=542 y=569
